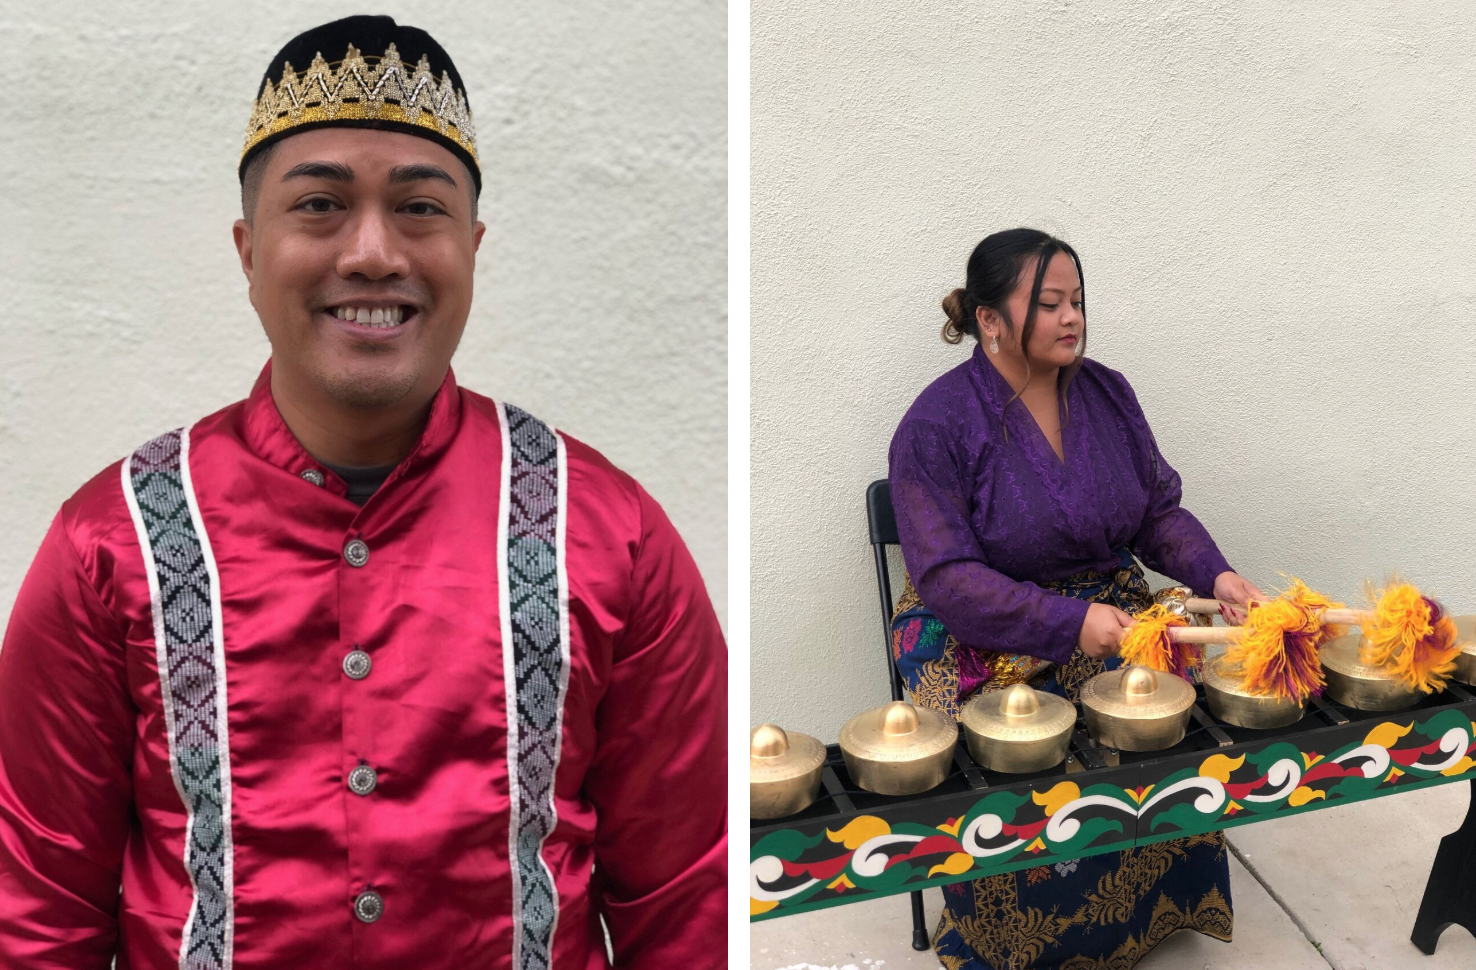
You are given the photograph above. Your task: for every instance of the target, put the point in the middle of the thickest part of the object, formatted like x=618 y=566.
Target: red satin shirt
x=265 y=799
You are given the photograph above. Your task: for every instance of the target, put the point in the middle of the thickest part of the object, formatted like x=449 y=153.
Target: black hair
x=251 y=182
x=251 y=178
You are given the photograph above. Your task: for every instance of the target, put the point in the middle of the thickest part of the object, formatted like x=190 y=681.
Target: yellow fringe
x=1147 y=641
x=1309 y=599
x=1403 y=639
x=1276 y=655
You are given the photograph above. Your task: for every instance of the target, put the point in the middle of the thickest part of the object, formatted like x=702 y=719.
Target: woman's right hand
x=1101 y=631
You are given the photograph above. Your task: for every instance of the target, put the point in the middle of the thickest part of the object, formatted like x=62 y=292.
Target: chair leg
x=1450 y=894
x=920 y=940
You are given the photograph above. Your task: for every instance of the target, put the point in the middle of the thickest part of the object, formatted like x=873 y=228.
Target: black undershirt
x=363 y=481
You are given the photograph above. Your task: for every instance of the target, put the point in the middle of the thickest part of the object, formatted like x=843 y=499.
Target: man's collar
x=266 y=433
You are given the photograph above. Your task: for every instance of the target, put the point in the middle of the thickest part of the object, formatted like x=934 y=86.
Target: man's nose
x=373 y=249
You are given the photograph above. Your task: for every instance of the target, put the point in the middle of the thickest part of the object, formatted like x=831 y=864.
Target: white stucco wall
x=600 y=285
x=1273 y=203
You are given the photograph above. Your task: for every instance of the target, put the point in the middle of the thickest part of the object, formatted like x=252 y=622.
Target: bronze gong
x=1137 y=708
x=783 y=771
x=1353 y=683
x=1465 y=670
x=1018 y=728
x=898 y=748
x=1229 y=701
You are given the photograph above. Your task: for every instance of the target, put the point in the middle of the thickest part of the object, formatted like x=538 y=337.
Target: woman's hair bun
x=957 y=326
x=953 y=305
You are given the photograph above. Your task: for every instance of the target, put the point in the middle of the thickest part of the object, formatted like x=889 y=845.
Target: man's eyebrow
x=414 y=173
x=337 y=171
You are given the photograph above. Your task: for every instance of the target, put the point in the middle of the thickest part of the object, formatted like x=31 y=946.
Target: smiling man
x=359 y=245
x=366 y=669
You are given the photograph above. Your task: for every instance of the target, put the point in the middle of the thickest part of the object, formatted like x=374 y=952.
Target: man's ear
x=241 y=231
x=477 y=231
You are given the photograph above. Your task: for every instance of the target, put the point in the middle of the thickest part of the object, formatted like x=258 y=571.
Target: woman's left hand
x=1231 y=587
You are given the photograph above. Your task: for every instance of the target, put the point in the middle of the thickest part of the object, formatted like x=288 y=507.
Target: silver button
x=369 y=906
x=356 y=552
x=312 y=475
x=362 y=780
x=357 y=665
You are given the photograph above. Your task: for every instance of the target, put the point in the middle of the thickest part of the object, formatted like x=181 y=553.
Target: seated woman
x=1026 y=484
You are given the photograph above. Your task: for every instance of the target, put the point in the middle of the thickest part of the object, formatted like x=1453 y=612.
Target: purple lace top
x=982 y=520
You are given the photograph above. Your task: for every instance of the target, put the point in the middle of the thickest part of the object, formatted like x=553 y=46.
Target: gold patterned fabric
x=937 y=682
x=1103 y=912
x=1008 y=934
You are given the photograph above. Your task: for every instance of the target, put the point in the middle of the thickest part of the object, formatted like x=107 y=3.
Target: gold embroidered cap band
x=373 y=90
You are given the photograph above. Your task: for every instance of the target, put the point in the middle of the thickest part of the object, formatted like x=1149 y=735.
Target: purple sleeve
x=981 y=607
x=1171 y=540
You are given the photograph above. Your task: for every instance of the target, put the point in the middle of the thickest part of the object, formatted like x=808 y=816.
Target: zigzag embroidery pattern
x=357 y=83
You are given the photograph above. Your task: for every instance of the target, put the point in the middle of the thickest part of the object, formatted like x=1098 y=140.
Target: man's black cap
x=384 y=76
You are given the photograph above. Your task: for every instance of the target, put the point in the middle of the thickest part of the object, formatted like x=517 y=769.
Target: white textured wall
x=1274 y=207
x=600 y=286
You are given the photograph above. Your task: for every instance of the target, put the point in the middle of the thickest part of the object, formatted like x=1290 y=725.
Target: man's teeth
x=376 y=317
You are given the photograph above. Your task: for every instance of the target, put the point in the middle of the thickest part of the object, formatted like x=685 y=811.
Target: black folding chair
x=881 y=521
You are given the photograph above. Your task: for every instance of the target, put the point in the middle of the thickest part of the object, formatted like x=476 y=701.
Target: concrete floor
x=1333 y=888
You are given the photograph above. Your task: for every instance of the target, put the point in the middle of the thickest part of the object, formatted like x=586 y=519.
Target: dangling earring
x=994 y=345
x=1080 y=345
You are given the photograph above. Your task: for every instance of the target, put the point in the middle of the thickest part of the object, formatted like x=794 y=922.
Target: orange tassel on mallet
x=1148 y=642
x=1410 y=636
x=1277 y=654
x=1405 y=632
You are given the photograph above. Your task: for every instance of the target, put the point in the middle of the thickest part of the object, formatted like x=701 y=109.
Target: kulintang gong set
x=1289 y=649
